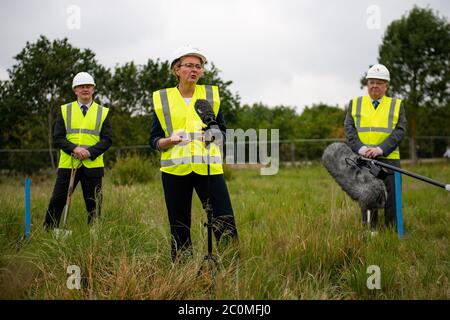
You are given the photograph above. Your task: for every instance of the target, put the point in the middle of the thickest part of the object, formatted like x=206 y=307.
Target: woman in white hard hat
x=374 y=127
x=83 y=133
x=177 y=132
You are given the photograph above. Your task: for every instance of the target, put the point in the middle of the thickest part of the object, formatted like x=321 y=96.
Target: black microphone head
x=203 y=108
x=205 y=111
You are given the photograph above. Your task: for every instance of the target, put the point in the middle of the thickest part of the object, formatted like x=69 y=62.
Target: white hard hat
x=186 y=50
x=378 y=71
x=82 y=78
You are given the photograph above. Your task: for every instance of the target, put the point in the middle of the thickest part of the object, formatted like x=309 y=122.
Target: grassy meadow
x=300 y=238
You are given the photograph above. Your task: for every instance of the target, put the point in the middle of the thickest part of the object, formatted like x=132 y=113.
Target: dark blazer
x=388 y=145
x=61 y=142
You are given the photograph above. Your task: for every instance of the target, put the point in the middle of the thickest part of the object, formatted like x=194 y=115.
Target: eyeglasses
x=192 y=66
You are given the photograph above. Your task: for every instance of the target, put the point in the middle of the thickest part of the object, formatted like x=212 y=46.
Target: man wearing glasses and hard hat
x=177 y=134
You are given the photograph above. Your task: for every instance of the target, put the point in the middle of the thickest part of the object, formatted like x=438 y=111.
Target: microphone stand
x=210 y=259
x=378 y=169
x=375 y=165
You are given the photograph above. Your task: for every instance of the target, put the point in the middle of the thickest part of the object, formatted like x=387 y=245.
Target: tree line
x=415 y=48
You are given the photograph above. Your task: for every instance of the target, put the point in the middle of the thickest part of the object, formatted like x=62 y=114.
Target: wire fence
x=291 y=152
x=423 y=147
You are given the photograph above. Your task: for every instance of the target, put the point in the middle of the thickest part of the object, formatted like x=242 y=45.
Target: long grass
x=300 y=238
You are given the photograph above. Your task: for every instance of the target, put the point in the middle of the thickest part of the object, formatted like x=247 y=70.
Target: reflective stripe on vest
x=193 y=159
x=173 y=115
x=375 y=125
x=166 y=110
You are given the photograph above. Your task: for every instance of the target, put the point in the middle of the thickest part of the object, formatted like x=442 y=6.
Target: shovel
x=63 y=233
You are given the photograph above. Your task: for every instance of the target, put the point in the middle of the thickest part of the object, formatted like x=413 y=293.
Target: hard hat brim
x=379 y=78
x=82 y=84
x=202 y=57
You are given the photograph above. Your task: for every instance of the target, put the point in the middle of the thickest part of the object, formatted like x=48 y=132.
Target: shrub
x=132 y=168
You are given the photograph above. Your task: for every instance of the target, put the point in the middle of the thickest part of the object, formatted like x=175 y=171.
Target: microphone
x=205 y=112
x=376 y=170
x=359 y=180
x=362 y=162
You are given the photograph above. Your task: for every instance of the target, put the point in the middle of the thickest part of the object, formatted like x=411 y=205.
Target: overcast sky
x=288 y=52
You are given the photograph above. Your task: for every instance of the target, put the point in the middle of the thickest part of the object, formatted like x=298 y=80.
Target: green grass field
x=300 y=238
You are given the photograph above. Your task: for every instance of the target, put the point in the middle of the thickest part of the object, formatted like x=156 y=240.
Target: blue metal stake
x=398 y=204
x=27 y=208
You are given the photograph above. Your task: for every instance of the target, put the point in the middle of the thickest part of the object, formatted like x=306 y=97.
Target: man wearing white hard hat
x=82 y=133
x=177 y=134
x=374 y=127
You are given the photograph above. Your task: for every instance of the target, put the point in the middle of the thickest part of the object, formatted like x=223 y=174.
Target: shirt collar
x=379 y=100
x=87 y=105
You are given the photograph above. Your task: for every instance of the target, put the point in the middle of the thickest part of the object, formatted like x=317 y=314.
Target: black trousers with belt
x=178 y=192
x=390 y=209
x=91 y=183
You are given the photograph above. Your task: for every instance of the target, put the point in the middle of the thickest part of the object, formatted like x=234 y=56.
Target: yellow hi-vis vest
x=174 y=114
x=84 y=131
x=375 y=125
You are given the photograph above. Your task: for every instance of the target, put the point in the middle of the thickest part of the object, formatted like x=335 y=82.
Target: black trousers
x=178 y=192
x=91 y=183
x=390 y=209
